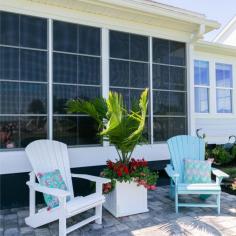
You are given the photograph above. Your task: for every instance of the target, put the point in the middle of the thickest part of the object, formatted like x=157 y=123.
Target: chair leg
x=176 y=202
x=172 y=190
x=62 y=226
x=218 y=203
x=98 y=212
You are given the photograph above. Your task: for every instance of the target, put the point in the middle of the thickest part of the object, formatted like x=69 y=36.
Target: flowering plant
x=136 y=170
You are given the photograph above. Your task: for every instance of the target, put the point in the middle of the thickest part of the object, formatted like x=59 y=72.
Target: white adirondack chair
x=48 y=155
x=188 y=147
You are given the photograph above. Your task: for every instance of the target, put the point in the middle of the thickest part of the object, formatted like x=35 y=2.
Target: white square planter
x=126 y=199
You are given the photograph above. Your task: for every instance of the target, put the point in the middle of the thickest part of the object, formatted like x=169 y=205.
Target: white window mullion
x=105 y=67
x=50 y=78
x=150 y=89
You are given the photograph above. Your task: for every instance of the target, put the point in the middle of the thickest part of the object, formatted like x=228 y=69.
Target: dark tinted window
x=9 y=28
x=64 y=36
x=119 y=45
x=177 y=53
x=139 y=75
x=161 y=51
x=33 y=65
x=177 y=78
x=89 y=40
x=64 y=68
x=33 y=32
x=138 y=47
x=160 y=76
x=88 y=92
x=9 y=63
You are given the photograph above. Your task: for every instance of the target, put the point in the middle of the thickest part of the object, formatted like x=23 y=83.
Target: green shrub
x=221 y=155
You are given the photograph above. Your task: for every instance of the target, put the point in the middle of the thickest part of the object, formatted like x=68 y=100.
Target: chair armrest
x=52 y=191
x=170 y=171
x=219 y=173
x=92 y=178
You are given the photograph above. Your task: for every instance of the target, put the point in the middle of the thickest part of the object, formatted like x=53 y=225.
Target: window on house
x=169 y=89
x=201 y=86
x=76 y=74
x=224 y=87
x=129 y=67
x=23 y=79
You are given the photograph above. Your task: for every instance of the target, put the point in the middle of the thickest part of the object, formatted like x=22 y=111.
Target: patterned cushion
x=52 y=180
x=196 y=171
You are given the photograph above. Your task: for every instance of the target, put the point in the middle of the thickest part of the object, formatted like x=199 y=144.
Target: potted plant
x=130 y=178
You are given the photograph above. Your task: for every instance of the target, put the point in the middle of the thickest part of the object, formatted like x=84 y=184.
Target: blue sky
x=221 y=10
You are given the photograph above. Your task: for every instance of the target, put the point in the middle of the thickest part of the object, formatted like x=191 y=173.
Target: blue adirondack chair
x=188 y=147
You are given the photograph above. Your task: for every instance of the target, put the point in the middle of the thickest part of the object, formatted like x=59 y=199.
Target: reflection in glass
x=201 y=100
x=161 y=102
x=160 y=129
x=33 y=98
x=65 y=129
x=138 y=47
x=177 y=126
x=177 y=78
x=177 y=53
x=88 y=93
x=9 y=132
x=224 y=75
x=177 y=103
x=161 y=51
x=62 y=94
x=201 y=72
x=9 y=98
x=224 y=100
x=9 y=63
x=32 y=128
x=161 y=76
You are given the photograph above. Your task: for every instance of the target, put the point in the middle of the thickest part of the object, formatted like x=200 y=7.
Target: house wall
x=15 y=161
x=217 y=127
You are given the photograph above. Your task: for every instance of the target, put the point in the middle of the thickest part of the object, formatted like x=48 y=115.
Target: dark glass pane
x=9 y=28
x=177 y=103
x=177 y=126
x=32 y=128
x=139 y=75
x=138 y=47
x=62 y=94
x=160 y=129
x=134 y=98
x=33 y=65
x=89 y=40
x=65 y=130
x=125 y=94
x=160 y=102
x=9 y=63
x=177 y=53
x=9 y=98
x=146 y=131
x=177 y=78
x=64 y=68
x=33 y=32
x=89 y=70
x=9 y=132
x=161 y=51
x=88 y=93
x=160 y=77
x=119 y=45
x=33 y=98
x=64 y=36
x=119 y=73
x=87 y=131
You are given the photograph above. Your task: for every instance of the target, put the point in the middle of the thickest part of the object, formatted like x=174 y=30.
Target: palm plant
x=121 y=128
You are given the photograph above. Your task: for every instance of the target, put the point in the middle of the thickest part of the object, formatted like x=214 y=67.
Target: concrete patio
x=160 y=220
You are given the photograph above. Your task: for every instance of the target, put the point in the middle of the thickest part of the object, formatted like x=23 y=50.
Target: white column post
x=150 y=89
x=105 y=66
x=190 y=89
x=50 y=79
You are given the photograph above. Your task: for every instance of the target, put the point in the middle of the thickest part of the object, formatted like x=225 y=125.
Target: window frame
x=208 y=87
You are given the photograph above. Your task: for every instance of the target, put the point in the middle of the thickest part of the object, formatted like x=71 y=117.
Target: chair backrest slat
x=185 y=147
x=48 y=155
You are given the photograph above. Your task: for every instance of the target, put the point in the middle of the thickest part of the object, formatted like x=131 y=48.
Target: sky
x=220 y=10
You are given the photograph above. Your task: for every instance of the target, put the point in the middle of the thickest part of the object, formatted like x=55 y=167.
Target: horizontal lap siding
x=217 y=130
